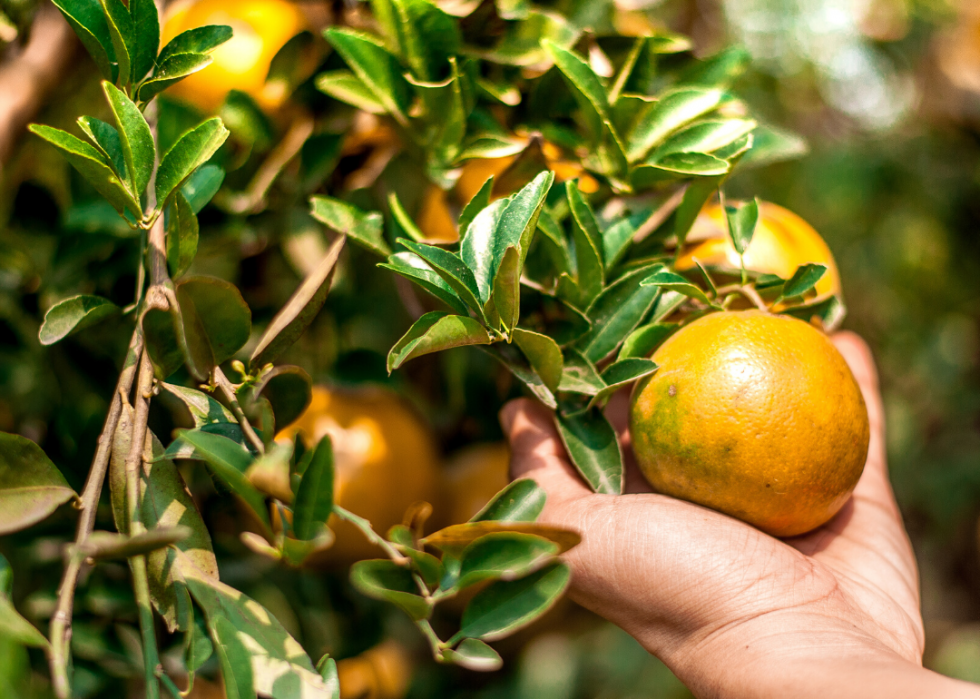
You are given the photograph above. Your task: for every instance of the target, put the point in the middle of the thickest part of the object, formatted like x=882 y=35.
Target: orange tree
x=604 y=147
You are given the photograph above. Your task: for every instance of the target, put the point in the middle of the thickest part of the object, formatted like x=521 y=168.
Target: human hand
x=732 y=611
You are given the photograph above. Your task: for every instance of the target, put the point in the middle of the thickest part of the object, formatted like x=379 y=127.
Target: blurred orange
x=472 y=477
x=383 y=672
x=782 y=242
x=385 y=459
x=261 y=28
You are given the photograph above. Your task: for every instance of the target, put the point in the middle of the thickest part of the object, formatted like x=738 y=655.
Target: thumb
x=537 y=451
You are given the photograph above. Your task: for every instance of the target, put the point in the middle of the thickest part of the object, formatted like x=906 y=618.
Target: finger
x=617 y=412
x=537 y=451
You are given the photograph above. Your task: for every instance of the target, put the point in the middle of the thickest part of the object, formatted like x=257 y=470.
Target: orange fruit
x=782 y=242
x=383 y=672
x=261 y=28
x=472 y=477
x=385 y=458
x=754 y=415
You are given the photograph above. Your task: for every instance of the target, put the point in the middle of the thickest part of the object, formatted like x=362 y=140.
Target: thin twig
x=228 y=390
x=748 y=292
x=370 y=534
x=60 y=631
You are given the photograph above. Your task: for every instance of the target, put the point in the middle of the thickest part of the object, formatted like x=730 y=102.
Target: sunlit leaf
x=170 y=70
x=742 y=219
x=617 y=311
x=191 y=151
x=387 y=581
x=594 y=448
x=72 y=315
x=375 y=67
x=644 y=340
x=459 y=536
x=503 y=556
x=197 y=40
x=667 y=115
x=146 y=37
x=803 y=280
x=544 y=355
x=347 y=87
x=580 y=375
x=417 y=270
x=366 y=228
x=138 y=148
x=31 y=487
x=453 y=271
x=474 y=654
x=665 y=279
x=288 y=390
x=314 y=497
x=182 y=235
x=224 y=314
x=434 y=332
x=88 y=21
x=520 y=501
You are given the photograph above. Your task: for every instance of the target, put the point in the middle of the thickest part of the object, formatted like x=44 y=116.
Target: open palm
x=717 y=599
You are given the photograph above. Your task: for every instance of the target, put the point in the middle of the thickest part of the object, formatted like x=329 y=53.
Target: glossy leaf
x=224 y=314
x=269 y=472
x=197 y=40
x=228 y=461
x=88 y=21
x=314 y=497
x=105 y=137
x=121 y=34
x=347 y=87
x=364 y=227
x=521 y=43
x=644 y=340
x=234 y=659
x=520 y=501
x=387 y=581
x=507 y=289
x=160 y=337
x=146 y=37
x=617 y=311
x=459 y=536
x=830 y=312
x=666 y=116
x=803 y=280
x=707 y=136
x=594 y=448
x=621 y=374
x=171 y=70
x=164 y=503
x=327 y=667
x=771 y=144
x=375 y=67
x=478 y=203
x=31 y=487
x=202 y=408
x=190 y=152
x=544 y=355
x=718 y=70
x=288 y=390
x=72 y=315
x=474 y=654
x=434 y=332
x=506 y=606
x=13 y=626
x=93 y=166
x=274 y=660
x=588 y=246
x=182 y=236
x=295 y=317
x=673 y=164
x=503 y=556
x=580 y=375
x=452 y=270
x=665 y=279
x=742 y=219
x=138 y=148
x=524 y=374
x=417 y=270
x=618 y=237
x=428 y=37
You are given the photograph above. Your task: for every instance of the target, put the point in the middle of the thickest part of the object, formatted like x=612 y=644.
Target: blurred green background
x=887 y=93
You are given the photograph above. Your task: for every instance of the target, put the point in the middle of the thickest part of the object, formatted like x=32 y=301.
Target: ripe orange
x=782 y=242
x=261 y=27
x=472 y=478
x=754 y=415
x=385 y=459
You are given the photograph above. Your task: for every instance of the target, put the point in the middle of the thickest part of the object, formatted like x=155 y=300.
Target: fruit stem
x=748 y=292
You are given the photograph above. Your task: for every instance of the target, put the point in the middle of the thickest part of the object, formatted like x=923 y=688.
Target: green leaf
x=105 y=137
x=224 y=314
x=803 y=280
x=288 y=390
x=580 y=375
x=588 y=244
x=172 y=70
x=520 y=501
x=672 y=281
x=191 y=151
x=506 y=297
x=718 y=70
x=160 y=337
x=375 y=67
x=93 y=166
x=707 y=136
x=404 y=221
x=521 y=43
x=364 y=227
x=202 y=408
x=228 y=461
x=452 y=270
x=198 y=648
x=72 y=315
x=146 y=37
x=620 y=374
x=594 y=448
x=616 y=312
x=435 y=332
x=182 y=235
x=197 y=40
x=295 y=317
x=274 y=660
x=31 y=487
x=314 y=497
x=830 y=311
x=474 y=654
x=347 y=87
x=544 y=355
x=88 y=21
x=695 y=197
x=618 y=237
x=478 y=203
x=121 y=33
x=234 y=658
x=524 y=374
x=506 y=606
x=455 y=538
x=243 y=116
x=667 y=115
x=13 y=626
x=643 y=341
x=742 y=219
x=427 y=36
x=327 y=667
x=387 y=581
x=415 y=269
x=672 y=164
x=503 y=556
x=447 y=109
x=771 y=144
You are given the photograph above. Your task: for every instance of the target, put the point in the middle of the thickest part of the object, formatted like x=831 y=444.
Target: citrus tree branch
x=228 y=391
